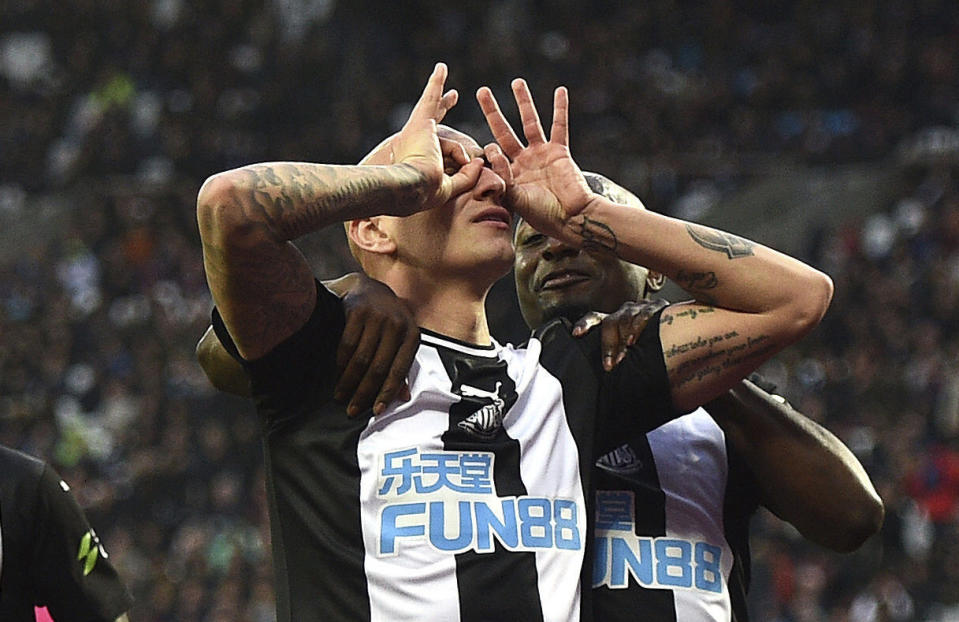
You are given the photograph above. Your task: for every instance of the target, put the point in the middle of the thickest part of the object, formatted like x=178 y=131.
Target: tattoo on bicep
x=595 y=235
x=733 y=245
x=696 y=280
x=255 y=316
x=713 y=355
x=668 y=317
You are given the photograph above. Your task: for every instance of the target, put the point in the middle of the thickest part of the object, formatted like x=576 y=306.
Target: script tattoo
x=596 y=235
x=733 y=245
x=707 y=356
x=691 y=313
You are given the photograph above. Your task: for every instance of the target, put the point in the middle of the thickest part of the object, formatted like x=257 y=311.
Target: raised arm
x=261 y=284
x=374 y=355
x=751 y=301
x=806 y=475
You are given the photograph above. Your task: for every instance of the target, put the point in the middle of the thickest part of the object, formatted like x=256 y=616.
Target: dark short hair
x=600 y=184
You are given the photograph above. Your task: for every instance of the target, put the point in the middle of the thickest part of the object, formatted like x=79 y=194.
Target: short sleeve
x=72 y=570
x=635 y=396
x=299 y=367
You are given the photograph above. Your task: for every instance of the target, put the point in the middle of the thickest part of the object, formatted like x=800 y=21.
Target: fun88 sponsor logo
x=448 y=499
x=665 y=563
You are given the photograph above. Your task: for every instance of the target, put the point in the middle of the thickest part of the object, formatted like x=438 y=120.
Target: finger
x=466 y=177
x=626 y=336
x=376 y=376
x=532 y=128
x=395 y=387
x=446 y=102
x=358 y=366
x=349 y=342
x=587 y=323
x=499 y=162
x=610 y=340
x=454 y=150
x=637 y=326
x=427 y=105
x=502 y=130
x=559 y=132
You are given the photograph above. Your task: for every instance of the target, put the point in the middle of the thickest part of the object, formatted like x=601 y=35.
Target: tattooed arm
x=750 y=301
x=261 y=284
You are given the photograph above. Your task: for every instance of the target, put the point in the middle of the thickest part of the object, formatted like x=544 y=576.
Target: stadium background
x=827 y=129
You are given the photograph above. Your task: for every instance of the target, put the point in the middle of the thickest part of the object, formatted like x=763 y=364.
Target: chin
x=571 y=310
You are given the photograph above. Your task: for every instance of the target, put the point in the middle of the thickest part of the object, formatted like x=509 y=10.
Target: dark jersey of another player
x=49 y=554
x=470 y=501
x=672 y=518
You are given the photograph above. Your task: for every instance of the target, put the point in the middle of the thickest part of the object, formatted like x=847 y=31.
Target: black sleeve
x=635 y=396
x=71 y=568
x=299 y=367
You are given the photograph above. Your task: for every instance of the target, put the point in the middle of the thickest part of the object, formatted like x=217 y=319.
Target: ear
x=654 y=281
x=368 y=235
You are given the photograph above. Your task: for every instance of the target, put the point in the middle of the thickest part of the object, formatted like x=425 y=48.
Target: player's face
x=470 y=235
x=556 y=280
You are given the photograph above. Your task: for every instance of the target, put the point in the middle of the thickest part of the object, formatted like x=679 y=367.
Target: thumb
x=466 y=177
x=587 y=323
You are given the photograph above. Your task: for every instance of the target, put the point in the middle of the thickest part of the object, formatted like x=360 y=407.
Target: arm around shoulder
x=806 y=475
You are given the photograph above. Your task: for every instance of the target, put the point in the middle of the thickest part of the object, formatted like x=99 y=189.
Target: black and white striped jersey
x=469 y=502
x=672 y=519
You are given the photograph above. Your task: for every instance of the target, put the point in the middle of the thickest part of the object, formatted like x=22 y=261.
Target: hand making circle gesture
x=418 y=146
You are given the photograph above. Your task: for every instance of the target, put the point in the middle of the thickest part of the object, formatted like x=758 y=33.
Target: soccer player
x=49 y=555
x=690 y=481
x=468 y=501
x=673 y=505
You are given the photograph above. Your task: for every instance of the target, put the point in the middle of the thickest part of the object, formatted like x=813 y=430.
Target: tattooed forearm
x=594 y=234
x=734 y=246
x=294 y=199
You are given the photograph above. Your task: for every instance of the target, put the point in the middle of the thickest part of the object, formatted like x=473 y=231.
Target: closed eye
x=532 y=240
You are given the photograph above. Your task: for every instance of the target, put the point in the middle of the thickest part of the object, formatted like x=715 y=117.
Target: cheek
x=524 y=268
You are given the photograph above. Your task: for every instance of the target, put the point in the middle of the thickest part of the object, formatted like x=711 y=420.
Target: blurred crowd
x=113 y=112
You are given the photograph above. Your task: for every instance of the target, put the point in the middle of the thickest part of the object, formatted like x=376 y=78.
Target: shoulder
x=18 y=468
x=558 y=345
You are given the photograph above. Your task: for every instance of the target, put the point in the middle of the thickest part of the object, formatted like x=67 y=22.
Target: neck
x=456 y=309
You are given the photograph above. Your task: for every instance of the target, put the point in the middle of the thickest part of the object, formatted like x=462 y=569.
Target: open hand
x=377 y=347
x=543 y=183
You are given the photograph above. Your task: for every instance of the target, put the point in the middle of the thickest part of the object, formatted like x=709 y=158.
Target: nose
x=555 y=249
x=489 y=186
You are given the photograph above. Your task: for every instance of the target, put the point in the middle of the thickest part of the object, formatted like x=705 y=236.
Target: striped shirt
x=468 y=502
x=672 y=519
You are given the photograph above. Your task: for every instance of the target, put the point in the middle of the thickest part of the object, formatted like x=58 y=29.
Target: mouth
x=560 y=279
x=497 y=215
